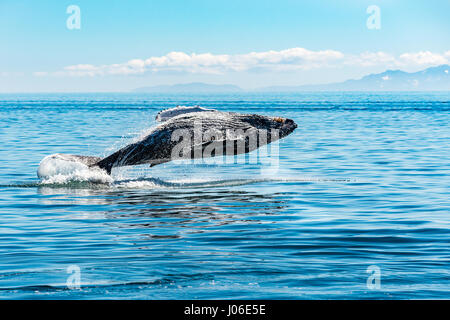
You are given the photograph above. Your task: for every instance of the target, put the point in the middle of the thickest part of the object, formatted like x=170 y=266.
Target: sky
x=46 y=46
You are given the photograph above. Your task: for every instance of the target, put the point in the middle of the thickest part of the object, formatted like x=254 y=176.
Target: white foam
x=137 y=184
x=60 y=168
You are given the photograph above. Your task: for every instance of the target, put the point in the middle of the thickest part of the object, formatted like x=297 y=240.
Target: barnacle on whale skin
x=278 y=119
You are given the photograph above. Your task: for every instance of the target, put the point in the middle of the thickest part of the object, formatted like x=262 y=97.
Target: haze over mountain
x=430 y=79
x=433 y=78
x=197 y=87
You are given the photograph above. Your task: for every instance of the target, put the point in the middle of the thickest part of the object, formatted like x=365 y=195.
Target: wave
x=157 y=183
x=56 y=171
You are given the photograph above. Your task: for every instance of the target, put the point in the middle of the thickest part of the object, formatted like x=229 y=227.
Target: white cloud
x=407 y=60
x=370 y=59
x=271 y=61
x=294 y=58
x=424 y=58
x=11 y=74
x=40 y=74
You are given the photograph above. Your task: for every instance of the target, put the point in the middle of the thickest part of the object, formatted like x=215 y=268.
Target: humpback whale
x=191 y=133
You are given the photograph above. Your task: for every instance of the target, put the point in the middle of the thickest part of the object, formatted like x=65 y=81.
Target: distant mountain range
x=433 y=78
x=197 y=87
x=430 y=79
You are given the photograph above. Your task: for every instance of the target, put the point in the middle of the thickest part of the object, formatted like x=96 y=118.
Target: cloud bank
x=267 y=61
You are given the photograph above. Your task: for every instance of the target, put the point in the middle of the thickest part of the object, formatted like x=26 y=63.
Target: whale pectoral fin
x=86 y=160
x=90 y=161
x=155 y=163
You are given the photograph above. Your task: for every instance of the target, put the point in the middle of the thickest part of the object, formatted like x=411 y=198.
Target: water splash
x=60 y=169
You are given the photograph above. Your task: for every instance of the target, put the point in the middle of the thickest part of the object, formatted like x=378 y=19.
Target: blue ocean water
x=360 y=193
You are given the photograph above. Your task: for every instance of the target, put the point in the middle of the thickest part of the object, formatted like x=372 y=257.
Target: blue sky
x=248 y=43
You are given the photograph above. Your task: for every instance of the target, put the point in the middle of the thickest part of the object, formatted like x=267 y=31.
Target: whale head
x=284 y=126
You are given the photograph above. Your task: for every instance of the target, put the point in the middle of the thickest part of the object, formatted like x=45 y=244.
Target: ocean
x=355 y=204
